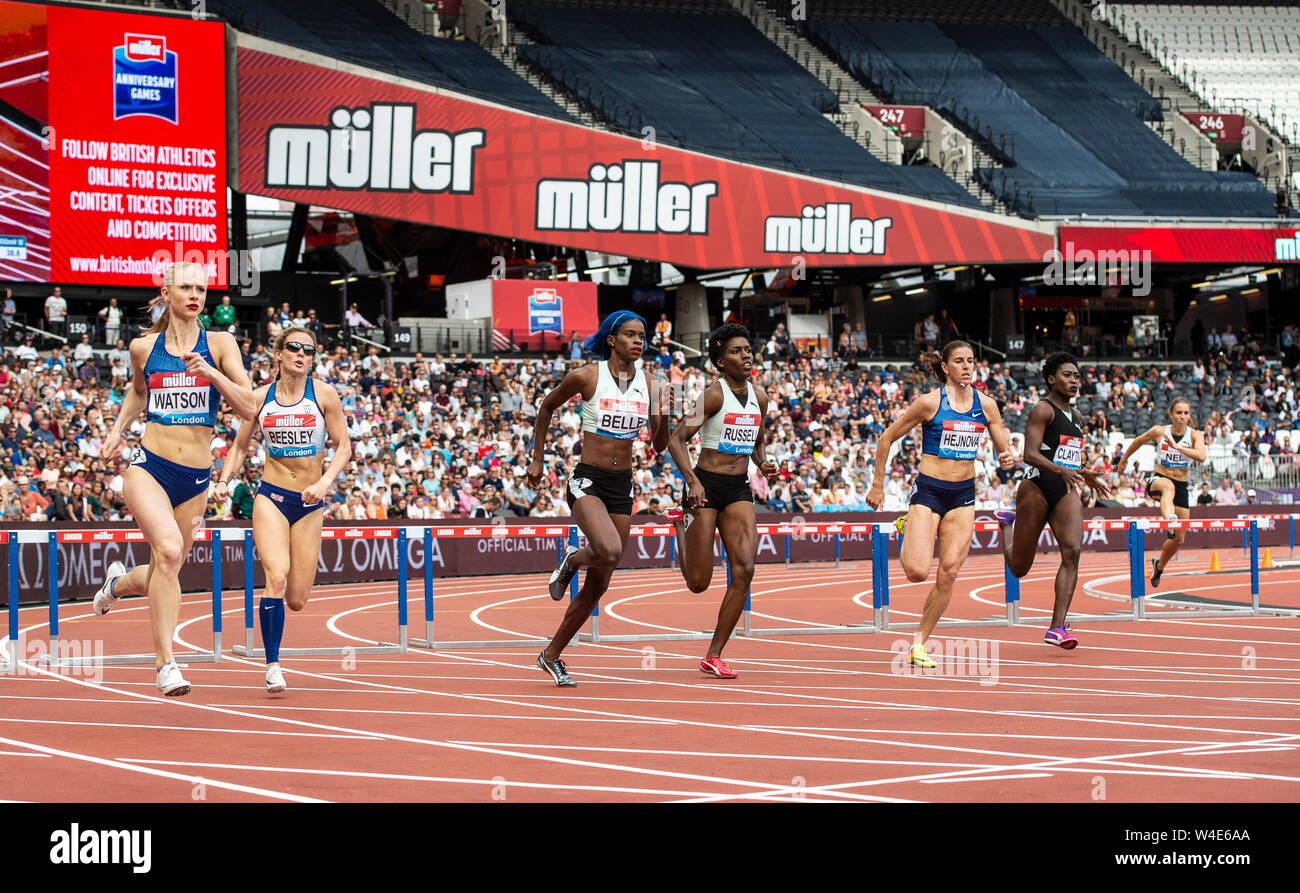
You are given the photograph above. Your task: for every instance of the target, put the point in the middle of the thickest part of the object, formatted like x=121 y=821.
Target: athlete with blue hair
x=618 y=401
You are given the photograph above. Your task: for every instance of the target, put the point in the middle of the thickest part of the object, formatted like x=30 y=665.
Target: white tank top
x=734 y=428
x=614 y=413
x=1170 y=457
x=296 y=431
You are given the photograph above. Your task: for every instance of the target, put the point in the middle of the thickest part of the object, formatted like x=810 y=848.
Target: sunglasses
x=299 y=347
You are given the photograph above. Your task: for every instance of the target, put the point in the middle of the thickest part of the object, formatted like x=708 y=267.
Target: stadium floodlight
x=915 y=291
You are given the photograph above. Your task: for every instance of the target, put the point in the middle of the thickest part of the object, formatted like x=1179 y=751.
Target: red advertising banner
x=123 y=160
x=905 y=120
x=328 y=137
x=1185 y=244
x=529 y=311
x=1218 y=127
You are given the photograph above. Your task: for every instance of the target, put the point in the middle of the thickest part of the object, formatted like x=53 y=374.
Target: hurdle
x=564 y=535
x=55 y=537
x=9 y=654
x=247 y=649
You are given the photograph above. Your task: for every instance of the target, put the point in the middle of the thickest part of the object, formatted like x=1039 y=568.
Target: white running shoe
x=170 y=681
x=104 y=598
x=274 y=679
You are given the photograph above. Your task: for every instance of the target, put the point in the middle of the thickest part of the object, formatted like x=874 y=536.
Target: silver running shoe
x=104 y=598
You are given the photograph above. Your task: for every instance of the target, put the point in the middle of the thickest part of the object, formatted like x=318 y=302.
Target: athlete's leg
x=304 y=549
x=169 y=533
x=1067 y=527
x=740 y=537
x=917 y=551
x=1020 y=543
x=1163 y=488
x=271 y=534
x=695 y=547
x=954 y=545
x=1172 y=546
x=606 y=538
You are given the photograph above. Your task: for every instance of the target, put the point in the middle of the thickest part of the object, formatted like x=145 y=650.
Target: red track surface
x=1165 y=710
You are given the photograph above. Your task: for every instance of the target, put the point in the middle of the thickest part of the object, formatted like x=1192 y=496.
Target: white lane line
x=160 y=773
x=988 y=778
x=131 y=725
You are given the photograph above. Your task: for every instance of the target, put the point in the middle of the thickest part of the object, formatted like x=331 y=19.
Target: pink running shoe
x=674 y=515
x=1061 y=635
x=714 y=666
x=1005 y=516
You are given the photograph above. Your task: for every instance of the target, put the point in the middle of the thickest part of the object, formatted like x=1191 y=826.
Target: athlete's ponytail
x=598 y=342
x=934 y=361
x=170 y=277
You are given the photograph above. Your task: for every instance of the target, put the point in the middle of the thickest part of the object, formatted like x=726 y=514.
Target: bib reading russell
x=735 y=429
x=176 y=395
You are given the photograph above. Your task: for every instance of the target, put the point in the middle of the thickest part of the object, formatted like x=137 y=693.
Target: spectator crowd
x=441 y=437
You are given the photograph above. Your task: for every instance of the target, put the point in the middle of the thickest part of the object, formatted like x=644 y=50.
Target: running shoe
x=715 y=666
x=1005 y=516
x=104 y=598
x=559 y=672
x=562 y=574
x=899 y=523
x=919 y=658
x=1061 y=635
x=1171 y=534
x=170 y=681
x=674 y=515
x=1156 y=572
x=275 y=683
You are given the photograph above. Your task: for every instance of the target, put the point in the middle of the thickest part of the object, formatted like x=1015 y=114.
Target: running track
x=1172 y=709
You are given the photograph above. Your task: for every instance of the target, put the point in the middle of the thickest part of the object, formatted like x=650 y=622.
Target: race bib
x=180 y=398
x=739 y=433
x=621 y=418
x=1069 y=453
x=1172 y=458
x=290 y=434
x=960 y=439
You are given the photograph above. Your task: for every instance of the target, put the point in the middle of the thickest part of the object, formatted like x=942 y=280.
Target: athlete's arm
x=1035 y=428
x=998 y=432
x=579 y=381
x=1151 y=435
x=922 y=408
x=1197 y=451
x=133 y=401
x=229 y=376
x=238 y=452
x=766 y=467
x=710 y=402
x=332 y=407
x=661 y=412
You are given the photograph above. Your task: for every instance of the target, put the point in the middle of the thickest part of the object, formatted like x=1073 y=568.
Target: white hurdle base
x=124 y=660
x=250 y=651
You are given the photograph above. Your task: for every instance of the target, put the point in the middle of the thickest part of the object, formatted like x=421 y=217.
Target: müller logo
x=826 y=229
x=967 y=426
x=179 y=380
x=626 y=197
x=291 y=421
x=144 y=78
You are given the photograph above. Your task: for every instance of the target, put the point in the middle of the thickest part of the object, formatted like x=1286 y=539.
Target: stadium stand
x=1238 y=56
x=1071 y=121
x=364 y=32
x=709 y=81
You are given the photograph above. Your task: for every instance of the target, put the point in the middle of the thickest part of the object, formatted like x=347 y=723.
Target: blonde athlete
x=180 y=374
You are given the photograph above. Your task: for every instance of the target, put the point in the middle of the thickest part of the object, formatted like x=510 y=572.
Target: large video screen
x=112 y=144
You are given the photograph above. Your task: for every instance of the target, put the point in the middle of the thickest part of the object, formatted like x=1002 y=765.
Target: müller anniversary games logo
x=144 y=78
x=545 y=312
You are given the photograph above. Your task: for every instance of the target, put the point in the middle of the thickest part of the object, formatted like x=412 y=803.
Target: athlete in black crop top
x=1049 y=493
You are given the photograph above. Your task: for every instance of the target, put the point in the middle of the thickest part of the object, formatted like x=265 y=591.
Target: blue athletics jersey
x=952 y=434
x=176 y=395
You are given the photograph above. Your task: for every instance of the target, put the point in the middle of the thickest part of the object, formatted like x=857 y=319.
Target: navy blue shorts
x=942 y=497
x=288 y=502
x=181 y=482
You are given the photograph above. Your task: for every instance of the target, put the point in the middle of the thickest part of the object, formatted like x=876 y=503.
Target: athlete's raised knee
x=605 y=554
x=697 y=583
x=295 y=601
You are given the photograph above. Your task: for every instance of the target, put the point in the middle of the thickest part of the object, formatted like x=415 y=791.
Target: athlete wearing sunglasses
x=297 y=413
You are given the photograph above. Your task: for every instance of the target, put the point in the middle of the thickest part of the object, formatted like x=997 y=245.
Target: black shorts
x=721 y=490
x=614 y=488
x=942 y=497
x=1180 y=491
x=1053 y=486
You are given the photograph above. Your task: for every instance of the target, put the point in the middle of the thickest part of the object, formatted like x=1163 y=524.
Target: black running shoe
x=562 y=574
x=1155 y=572
x=559 y=672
